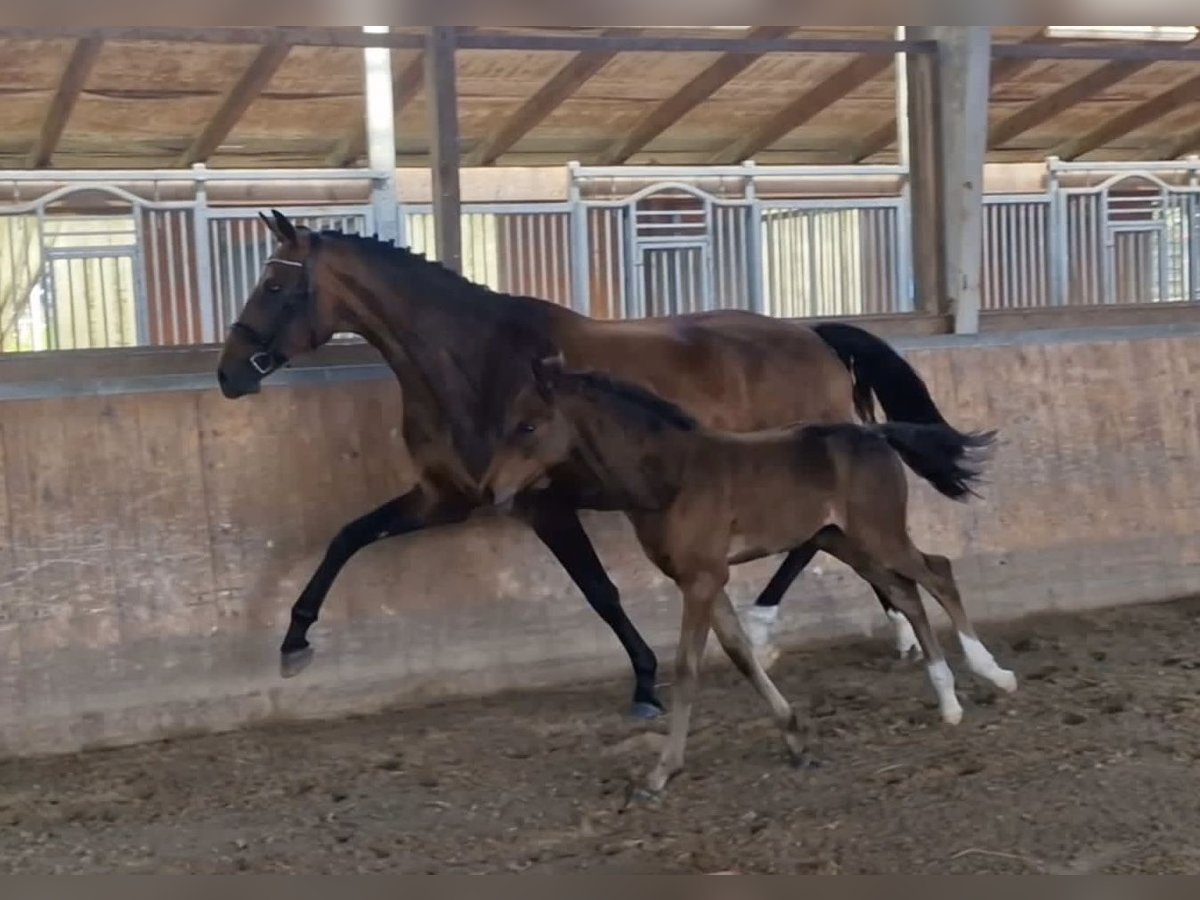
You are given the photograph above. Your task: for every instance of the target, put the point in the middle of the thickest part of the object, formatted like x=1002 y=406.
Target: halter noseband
x=266 y=360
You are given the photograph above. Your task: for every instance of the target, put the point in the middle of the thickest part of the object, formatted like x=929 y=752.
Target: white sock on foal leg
x=759 y=624
x=906 y=638
x=983 y=664
x=942 y=680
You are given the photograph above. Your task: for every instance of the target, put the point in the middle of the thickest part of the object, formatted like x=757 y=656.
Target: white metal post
x=381 y=138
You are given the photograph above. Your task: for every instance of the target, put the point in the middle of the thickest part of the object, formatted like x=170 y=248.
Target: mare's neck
x=458 y=346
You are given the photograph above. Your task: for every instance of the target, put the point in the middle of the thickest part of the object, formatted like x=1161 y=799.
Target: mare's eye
x=274 y=287
x=526 y=428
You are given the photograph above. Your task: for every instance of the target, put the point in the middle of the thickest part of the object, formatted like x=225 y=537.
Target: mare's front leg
x=557 y=524
x=414 y=511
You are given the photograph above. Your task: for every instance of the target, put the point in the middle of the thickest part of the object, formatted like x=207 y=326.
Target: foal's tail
x=948 y=459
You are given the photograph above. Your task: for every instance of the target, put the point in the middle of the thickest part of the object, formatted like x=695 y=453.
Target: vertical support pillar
x=203 y=263
x=965 y=58
x=381 y=137
x=580 y=257
x=948 y=106
x=442 y=88
x=923 y=156
x=754 y=242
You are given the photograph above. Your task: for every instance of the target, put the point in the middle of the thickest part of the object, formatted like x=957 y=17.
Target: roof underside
x=79 y=102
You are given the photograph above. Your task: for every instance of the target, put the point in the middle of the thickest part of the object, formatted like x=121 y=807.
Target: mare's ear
x=280 y=226
x=547 y=373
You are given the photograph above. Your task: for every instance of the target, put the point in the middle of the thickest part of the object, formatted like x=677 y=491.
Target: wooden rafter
x=885 y=135
x=1132 y=119
x=854 y=74
x=1047 y=107
x=83 y=59
x=244 y=92
x=1184 y=145
x=566 y=81
x=407 y=84
x=727 y=67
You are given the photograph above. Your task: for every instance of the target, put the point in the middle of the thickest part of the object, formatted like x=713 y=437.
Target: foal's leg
x=906 y=598
x=559 y=528
x=936 y=576
x=762 y=617
x=737 y=647
x=698 y=595
x=413 y=511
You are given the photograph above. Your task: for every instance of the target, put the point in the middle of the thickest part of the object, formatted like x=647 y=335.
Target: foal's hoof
x=642 y=711
x=293 y=662
x=952 y=716
x=1006 y=681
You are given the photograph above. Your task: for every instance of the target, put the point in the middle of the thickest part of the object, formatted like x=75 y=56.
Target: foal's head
x=536 y=436
x=613 y=427
x=285 y=315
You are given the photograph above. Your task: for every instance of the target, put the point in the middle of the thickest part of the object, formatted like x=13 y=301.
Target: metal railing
x=119 y=259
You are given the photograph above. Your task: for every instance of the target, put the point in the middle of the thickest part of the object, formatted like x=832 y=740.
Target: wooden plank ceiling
x=101 y=99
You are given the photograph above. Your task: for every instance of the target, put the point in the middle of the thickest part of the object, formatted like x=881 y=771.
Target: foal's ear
x=280 y=226
x=547 y=373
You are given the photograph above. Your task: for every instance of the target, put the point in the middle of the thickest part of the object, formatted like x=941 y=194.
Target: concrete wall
x=152 y=541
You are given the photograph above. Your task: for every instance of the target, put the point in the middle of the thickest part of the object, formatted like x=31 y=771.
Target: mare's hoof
x=641 y=795
x=805 y=762
x=293 y=662
x=645 y=712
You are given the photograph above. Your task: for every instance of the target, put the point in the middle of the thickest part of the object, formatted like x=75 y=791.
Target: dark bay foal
x=702 y=500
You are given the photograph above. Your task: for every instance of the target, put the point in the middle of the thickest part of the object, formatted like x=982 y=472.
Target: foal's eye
x=274 y=287
x=526 y=428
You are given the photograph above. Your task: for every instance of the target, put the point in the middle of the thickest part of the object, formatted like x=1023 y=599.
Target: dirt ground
x=1090 y=767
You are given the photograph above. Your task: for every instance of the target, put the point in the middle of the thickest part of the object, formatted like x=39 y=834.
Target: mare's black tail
x=948 y=459
x=879 y=371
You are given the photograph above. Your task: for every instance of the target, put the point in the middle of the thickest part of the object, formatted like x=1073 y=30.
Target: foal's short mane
x=638 y=405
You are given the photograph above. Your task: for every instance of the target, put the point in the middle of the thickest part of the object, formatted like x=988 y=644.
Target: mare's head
x=285 y=315
x=535 y=437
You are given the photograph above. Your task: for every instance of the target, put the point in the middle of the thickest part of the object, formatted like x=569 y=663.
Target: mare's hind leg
x=903 y=593
x=935 y=574
x=737 y=647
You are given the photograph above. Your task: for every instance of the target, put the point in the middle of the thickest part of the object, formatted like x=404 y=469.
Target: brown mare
x=701 y=500
x=461 y=351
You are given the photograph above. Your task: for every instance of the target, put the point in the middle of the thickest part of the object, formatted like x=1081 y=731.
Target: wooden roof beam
x=1050 y=105
x=407 y=84
x=244 y=92
x=1184 y=145
x=853 y=75
x=569 y=79
x=726 y=68
x=1002 y=70
x=79 y=67
x=1131 y=120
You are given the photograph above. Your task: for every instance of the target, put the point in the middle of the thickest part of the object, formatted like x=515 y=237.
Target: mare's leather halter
x=267 y=358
